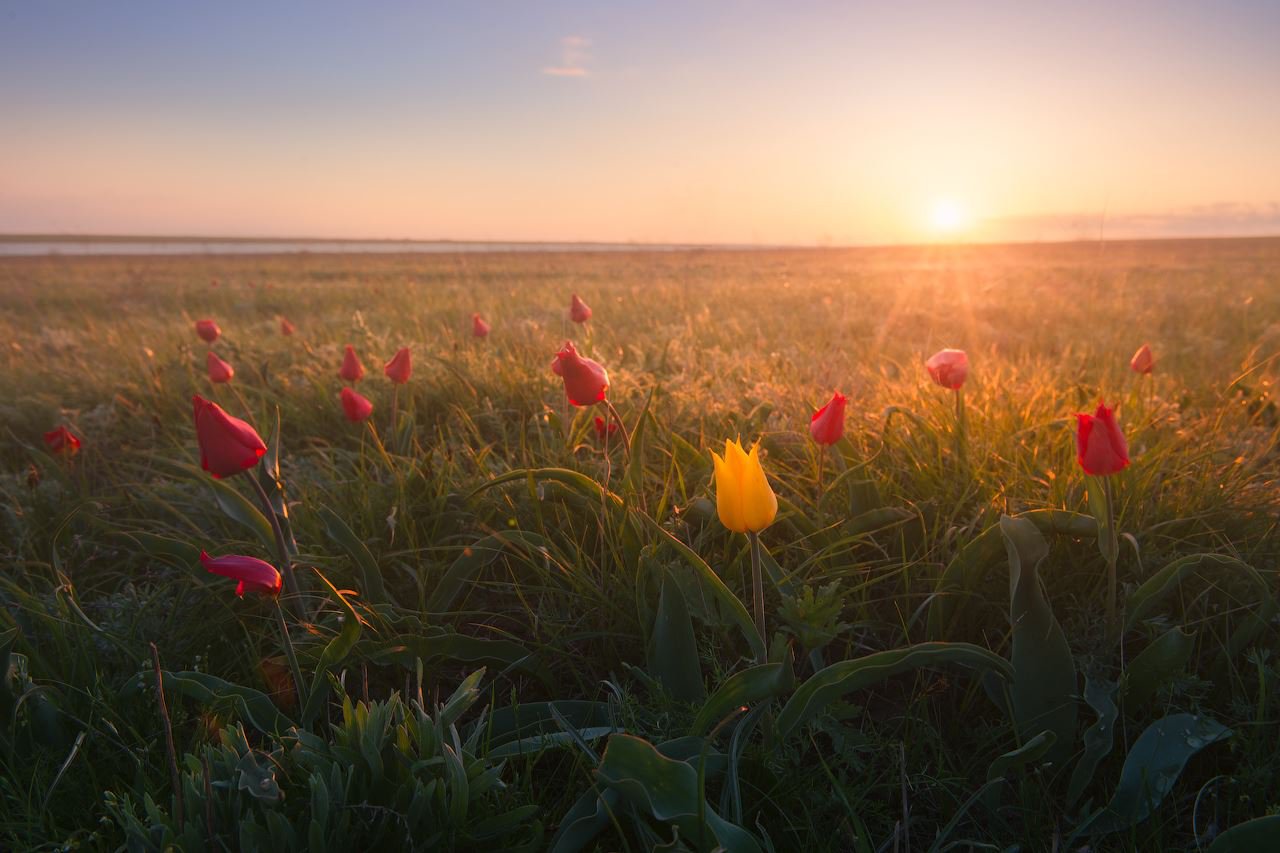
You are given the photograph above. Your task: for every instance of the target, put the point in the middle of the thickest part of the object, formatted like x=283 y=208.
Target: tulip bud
x=227 y=445
x=479 y=328
x=948 y=367
x=398 y=369
x=254 y=575
x=62 y=440
x=579 y=312
x=352 y=370
x=355 y=406
x=1100 y=446
x=604 y=430
x=827 y=424
x=207 y=330
x=286 y=328
x=744 y=500
x=585 y=381
x=1143 y=361
x=219 y=370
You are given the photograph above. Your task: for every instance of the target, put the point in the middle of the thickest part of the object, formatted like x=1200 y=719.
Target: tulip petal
x=759 y=503
x=728 y=495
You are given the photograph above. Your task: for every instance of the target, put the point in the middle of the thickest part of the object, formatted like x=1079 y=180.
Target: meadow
x=512 y=632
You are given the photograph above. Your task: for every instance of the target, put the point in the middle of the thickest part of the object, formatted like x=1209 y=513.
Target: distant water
x=73 y=246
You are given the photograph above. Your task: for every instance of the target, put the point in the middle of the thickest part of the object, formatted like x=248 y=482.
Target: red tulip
x=827 y=424
x=585 y=381
x=286 y=328
x=603 y=430
x=352 y=370
x=579 y=312
x=479 y=328
x=207 y=330
x=62 y=440
x=254 y=575
x=1100 y=446
x=1143 y=361
x=355 y=406
x=219 y=370
x=227 y=445
x=398 y=369
x=948 y=367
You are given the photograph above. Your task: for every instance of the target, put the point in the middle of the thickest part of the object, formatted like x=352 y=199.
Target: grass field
x=595 y=597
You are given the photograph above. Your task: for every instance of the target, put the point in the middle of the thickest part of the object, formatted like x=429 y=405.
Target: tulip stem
x=1113 y=554
x=960 y=430
x=395 y=410
x=622 y=428
x=294 y=670
x=286 y=565
x=757 y=591
x=822 y=461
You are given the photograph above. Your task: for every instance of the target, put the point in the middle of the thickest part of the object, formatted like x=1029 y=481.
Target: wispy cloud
x=575 y=54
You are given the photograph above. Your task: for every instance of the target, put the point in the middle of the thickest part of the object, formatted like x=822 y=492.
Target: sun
x=948 y=216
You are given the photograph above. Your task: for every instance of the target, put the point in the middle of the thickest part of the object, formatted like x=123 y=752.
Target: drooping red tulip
x=207 y=330
x=1143 y=361
x=604 y=430
x=355 y=406
x=219 y=370
x=352 y=370
x=62 y=440
x=1100 y=445
x=286 y=328
x=585 y=381
x=579 y=311
x=227 y=445
x=827 y=424
x=948 y=367
x=399 y=368
x=479 y=328
x=254 y=575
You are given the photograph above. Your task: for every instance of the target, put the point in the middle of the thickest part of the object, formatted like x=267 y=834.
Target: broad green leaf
x=1099 y=507
x=252 y=706
x=238 y=508
x=574 y=480
x=587 y=818
x=876 y=519
x=1253 y=836
x=372 y=589
x=474 y=558
x=673 y=648
x=1016 y=759
x=1044 y=673
x=1152 y=767
x=842 y=678
x=1156 y=665
x=407 y=650
x=173 y=551
x=744 y=688
x=548 y=740
x=1098 y=738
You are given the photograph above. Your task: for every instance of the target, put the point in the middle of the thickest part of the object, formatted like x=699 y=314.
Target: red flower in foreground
x=585 y=381
x=579 y=311
x=207 y=330
x=352 y=370
x=948 y=367
x=479 y=328
x=219 y=370
x=227 y=445
x=1143 y=361
x=286 y=328
x=827 y=424
x=62 y=440
x=355 y=406
x=399 y=368
x=1100 y=446
x=603 y=430
x=253 y=574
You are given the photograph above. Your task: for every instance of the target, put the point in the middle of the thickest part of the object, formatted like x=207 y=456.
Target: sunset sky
x=732 y=122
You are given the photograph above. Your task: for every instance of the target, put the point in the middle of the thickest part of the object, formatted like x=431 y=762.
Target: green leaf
x=238 y=508
x=633 y=480
x=1152 y=767
x=587 y=818
x=531 y=718
x=574 y=480
x=407 y=650
x=744 y=688
x=1031 y=751
x=1156 y=665
x=177 y=553
x=1253 y=836
x=474 y=558
x=1098 y=738
x=1099 y=506
x=334 y=653
x=548 y=740
x=252 y=706
x=1044 y=673
x=268 y=474
x=673 y=649
x=842 y=678
x=371 y=585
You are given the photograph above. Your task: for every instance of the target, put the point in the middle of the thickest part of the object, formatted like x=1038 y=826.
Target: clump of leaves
x=813 y=617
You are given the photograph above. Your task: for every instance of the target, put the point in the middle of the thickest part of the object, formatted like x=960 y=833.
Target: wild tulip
x=579 y=311
x=744 y=500
x=355 y=406
x=399 y=368
x=948 y=367
x=604 y=430
x=1100 y=445
x=227 y=445
x=352 y=370
x=62 y=441
x=219 y=370
x=585 y=381
x=254 y=575
x=1143 y=361
x=207 y=330
x=479 y=328
x=827 y=424
x=286 y=328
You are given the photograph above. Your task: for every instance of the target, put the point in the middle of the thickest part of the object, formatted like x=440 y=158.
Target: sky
x=699 y=121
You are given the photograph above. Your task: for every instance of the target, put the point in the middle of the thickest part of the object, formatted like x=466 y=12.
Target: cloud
x=575 y=54
x=1225 y=219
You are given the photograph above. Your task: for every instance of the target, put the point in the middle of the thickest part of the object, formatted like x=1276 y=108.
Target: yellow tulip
x=743 y=497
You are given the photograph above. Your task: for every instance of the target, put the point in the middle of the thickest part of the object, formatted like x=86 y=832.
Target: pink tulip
x=254 y=575
x=219 y=370
x=948 y=367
